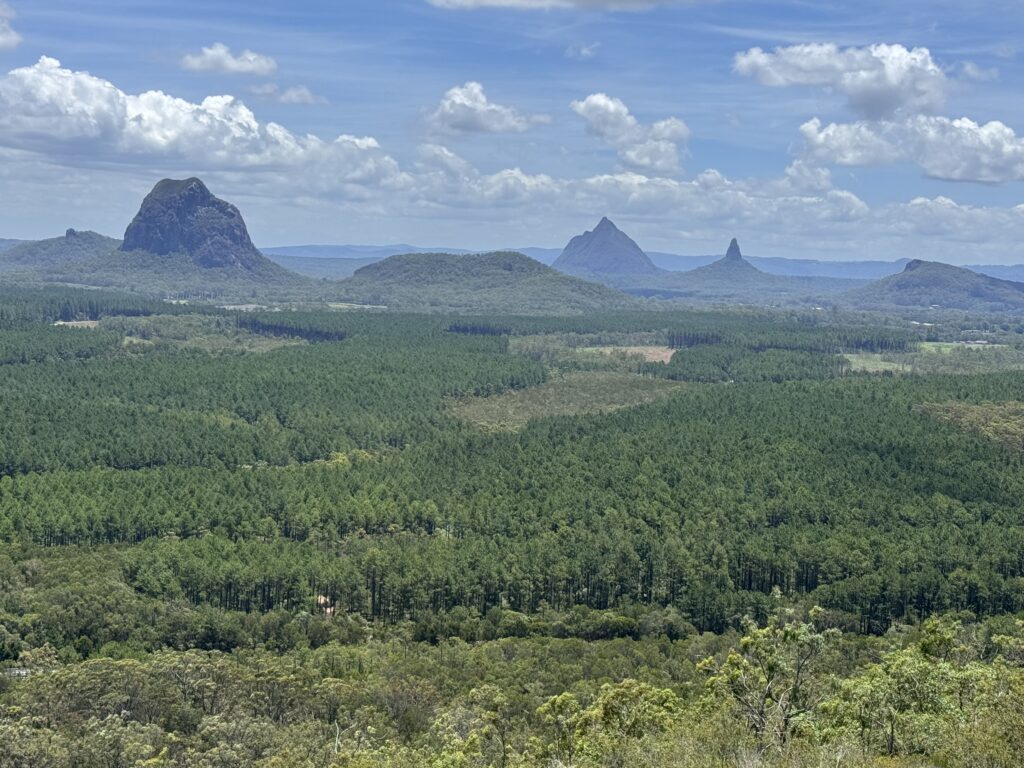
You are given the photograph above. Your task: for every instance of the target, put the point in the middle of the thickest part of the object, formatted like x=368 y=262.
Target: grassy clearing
x=78 y=323
x=623 y=352
x=1000 y=421
x=205 y=332
x=569 y=394
x=647 y=354
x=943 y=357
x=945 y=347
x=873 y=362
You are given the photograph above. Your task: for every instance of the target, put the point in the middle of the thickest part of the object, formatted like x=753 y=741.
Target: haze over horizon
x=805 y=132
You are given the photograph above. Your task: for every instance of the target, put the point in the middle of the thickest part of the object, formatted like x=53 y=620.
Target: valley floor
x=319 y=539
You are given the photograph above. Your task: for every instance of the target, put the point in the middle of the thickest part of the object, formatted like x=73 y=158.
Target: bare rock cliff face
x=184 y=217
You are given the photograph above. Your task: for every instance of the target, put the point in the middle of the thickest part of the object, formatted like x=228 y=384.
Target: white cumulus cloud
x=944 y=148
x=877 y=80
x=8 y=37
x=219 y=58
x=54 y=111
x=64 y=134
x=651 y=148
x=466 y=108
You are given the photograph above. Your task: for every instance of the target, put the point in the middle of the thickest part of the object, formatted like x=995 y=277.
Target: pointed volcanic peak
x=934 y=284
x=731 y=264
x=605 y=250
x=183 y=217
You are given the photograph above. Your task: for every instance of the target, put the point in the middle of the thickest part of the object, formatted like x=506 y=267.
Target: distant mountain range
x=315 y=261
x=731 y=279
x=185 y=242
x=601 y=254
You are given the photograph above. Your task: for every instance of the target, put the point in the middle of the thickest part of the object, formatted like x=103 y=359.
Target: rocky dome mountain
x=183 y=243
x=605 y=250
x=183 y=216
x=934 y=284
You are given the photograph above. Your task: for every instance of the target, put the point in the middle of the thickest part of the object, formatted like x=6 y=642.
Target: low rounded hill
x=934 y=284
x=503 y=281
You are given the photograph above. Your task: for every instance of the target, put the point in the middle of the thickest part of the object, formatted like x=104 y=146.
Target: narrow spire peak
x=734 y=251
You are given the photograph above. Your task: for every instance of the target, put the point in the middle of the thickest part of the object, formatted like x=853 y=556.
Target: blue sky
x=827 y=129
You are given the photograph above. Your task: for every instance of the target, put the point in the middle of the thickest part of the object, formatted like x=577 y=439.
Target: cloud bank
x=877 y=81
x=84 y=132
x=943 y=148
x=897 y=92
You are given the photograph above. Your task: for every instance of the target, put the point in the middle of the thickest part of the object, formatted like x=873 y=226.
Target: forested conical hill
x=56 y=252
x=934 y=284
x=502 y=282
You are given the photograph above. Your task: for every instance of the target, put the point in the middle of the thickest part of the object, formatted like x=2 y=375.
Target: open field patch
x=873 y=362
x=78 y=323
x=648 y=354
x=623 y=352
x=567 y=395
x=209 y=333
x=942 y=357
x=945 y=347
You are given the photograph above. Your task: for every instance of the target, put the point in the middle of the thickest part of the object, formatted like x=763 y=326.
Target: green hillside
x=933 y=284
x=177 y=275
x=40 y=257
x=504 y=281
x=90 y=259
